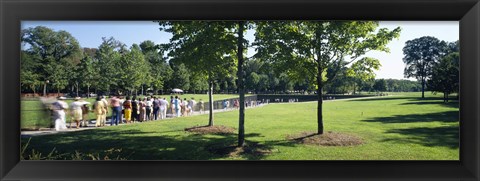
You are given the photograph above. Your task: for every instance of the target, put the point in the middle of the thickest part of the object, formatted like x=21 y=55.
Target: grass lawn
x=392 y=128
x=32 y=115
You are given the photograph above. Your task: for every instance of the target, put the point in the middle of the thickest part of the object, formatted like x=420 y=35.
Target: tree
x=420 y=56
x=108 y=57
x=29 y=77
x=308 y=48
x=88 y=74
x=134 y=70
x=380 y=85
x=160 y=71
x=363 y=70
x=56 y=52
x=445 y=76
x=204 y=47
x=182 y=77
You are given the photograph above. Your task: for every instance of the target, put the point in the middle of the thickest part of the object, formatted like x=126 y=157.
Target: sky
x=89 y=34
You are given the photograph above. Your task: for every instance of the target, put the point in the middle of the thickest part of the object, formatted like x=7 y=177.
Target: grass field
x=400 y=127
x=32 y=115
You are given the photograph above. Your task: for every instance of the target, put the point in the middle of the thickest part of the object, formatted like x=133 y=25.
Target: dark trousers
x=155 y=112
x=135 y=115
x=116 y=115
x=148 y=111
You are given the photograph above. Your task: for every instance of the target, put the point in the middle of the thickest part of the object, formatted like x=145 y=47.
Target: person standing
x=127 y=108
x=116 y=111
x=172 y=106
x=148 y=109
x=76 y=111
x=135 y=109
x=85 y=111
x=105 y=112
x=177 y=106
x=191 y=105
x=142 y=105
x=99 y=108
x=163 y=108
x=58 y=114
x=225 y=105
x=156 y=107
x=201 y=107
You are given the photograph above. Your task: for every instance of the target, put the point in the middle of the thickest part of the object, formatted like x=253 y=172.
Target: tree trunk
x=88 y=91
x=210 y=99
x=77 y=88
x=423 y=87
x=320 y=101
x=241 y=86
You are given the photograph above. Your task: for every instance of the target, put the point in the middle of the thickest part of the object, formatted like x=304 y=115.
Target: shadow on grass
x=385 y=98
x=447 y=136
x=446 y=116
x=451 y=103
x=139 y=145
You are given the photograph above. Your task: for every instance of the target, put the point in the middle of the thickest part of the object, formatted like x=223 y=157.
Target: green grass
x=393 y=128
x=32 y=115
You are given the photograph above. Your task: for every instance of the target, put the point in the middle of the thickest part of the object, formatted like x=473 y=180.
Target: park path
x=91 y=124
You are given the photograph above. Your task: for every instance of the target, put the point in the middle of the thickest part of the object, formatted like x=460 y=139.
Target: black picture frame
x=12 y=12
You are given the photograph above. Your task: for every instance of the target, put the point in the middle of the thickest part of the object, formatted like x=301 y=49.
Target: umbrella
x=176 y=90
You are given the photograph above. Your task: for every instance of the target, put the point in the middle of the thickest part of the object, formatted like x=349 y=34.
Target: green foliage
x=108 y=57
x=204 y=47
x=181 y=77
x=133 y=69
x=445 y=75
x=53 y=56
x=420 y=55
x=380 y=85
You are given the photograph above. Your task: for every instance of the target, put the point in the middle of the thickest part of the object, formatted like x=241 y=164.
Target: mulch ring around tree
x=249 y=149
x=216 y=129
x=326 y=139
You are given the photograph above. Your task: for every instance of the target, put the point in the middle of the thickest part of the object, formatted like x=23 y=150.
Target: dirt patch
x=211 y=130
x=250 y=149
x=326 y=139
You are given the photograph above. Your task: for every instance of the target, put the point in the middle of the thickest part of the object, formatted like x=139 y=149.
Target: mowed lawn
x=392 y=128
x=33 y=116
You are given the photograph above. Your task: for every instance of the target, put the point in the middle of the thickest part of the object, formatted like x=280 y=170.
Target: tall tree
x=160 y=71
x=445 y=76
x=420 y=55
x=108 y=57
x=89 y=77
x=134 y=70
x=308 y=48
x=363 y=70
x=57 y=53
x=380 y=85
x=205 y=47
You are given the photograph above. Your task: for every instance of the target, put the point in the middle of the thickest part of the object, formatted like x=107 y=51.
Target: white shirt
x=77 y=105
x=163 y=104
x=149 y=103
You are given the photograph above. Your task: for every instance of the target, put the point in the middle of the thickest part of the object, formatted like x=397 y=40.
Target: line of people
x=132 y=109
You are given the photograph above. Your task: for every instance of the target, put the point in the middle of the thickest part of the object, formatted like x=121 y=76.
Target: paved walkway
x=91 y=124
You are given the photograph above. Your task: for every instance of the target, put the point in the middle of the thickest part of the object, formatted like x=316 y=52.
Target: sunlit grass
x=400 y=127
